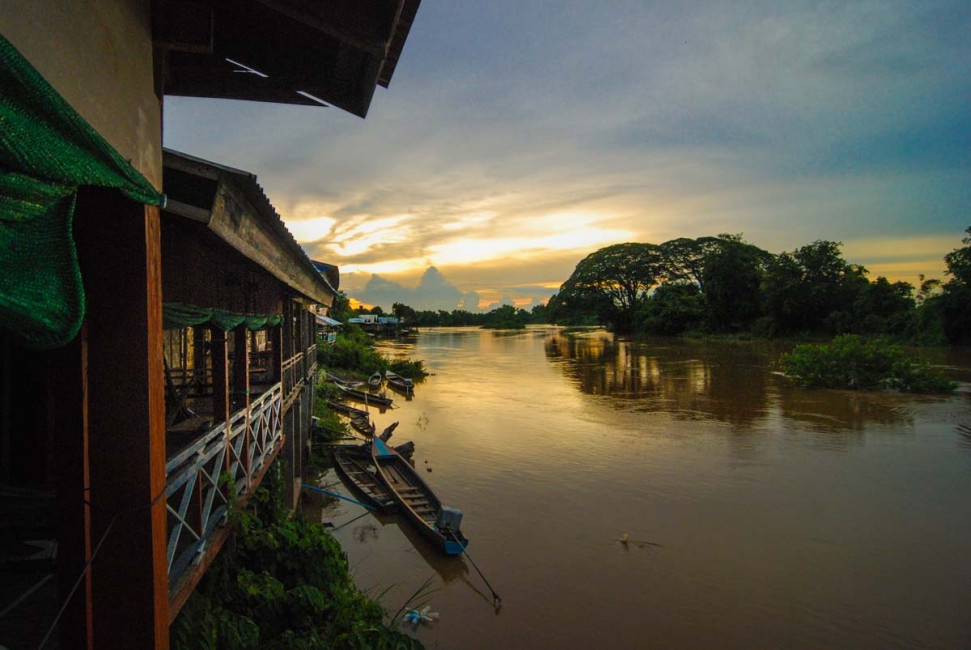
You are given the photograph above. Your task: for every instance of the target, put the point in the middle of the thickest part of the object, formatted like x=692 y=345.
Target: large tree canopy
x=612 y=280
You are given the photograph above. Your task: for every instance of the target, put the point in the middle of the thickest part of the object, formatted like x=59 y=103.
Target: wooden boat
x=363 y=425
x=399 y=383
x=346 y=409
x=417 y=502
x=365 y=397
x=374 y=381
x=346 y=383
x=353 y=469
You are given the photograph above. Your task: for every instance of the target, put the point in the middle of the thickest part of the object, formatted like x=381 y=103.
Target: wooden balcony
x=203 y=478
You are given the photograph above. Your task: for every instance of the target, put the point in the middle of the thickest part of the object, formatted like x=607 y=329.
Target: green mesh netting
x=176 y=315
x=47 y=151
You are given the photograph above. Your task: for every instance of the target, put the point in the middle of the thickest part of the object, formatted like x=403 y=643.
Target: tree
x=612 y=280
x=955 y=300
x=804 y=290
x=403 y=312
x=673 y=308
x=732 y=279
x=684 y=258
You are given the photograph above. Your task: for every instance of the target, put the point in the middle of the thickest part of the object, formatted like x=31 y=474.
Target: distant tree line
x=725 y=284
x=504 y=317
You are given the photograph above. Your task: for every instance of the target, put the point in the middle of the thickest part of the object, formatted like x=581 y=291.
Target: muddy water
x=757 y=514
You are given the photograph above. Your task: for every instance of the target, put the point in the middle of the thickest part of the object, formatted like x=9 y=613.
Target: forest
x=724 y=284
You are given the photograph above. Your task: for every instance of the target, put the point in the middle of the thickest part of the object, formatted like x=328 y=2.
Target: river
x=757 y=514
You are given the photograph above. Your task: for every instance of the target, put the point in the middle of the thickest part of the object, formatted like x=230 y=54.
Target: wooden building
x=149 y=342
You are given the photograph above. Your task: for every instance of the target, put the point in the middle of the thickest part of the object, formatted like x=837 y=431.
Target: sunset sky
x=519 y=136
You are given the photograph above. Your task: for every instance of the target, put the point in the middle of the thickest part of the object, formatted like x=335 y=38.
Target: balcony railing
x=293 y=374
x=197 y=497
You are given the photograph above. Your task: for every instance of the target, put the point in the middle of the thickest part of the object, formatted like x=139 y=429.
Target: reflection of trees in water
x=692 y=381
x=723 y=381
x=842 y=411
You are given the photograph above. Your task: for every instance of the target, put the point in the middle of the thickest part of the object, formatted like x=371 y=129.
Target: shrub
x=285 y=584
x=850 y=361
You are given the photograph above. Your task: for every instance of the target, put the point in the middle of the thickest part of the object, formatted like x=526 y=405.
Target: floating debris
x=417 y=617
x=626 y=542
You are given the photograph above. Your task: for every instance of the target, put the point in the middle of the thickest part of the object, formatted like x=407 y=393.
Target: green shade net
x=47 y=151
x=176 y=315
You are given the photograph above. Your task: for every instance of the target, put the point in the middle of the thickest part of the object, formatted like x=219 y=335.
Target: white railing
x=197 y=497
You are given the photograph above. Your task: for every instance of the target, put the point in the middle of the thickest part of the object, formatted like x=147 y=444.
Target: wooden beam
x=238 y=222
x=119 y=249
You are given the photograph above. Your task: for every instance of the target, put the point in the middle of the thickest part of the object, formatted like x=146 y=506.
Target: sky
x=516 y=137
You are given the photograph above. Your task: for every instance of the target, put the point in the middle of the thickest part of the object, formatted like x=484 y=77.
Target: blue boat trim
x=454 y=548
x=383 y=451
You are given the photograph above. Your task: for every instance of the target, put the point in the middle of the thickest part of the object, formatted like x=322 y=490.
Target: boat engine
x=449 y=519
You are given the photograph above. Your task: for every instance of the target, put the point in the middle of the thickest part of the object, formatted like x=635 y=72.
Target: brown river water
x=758 y=514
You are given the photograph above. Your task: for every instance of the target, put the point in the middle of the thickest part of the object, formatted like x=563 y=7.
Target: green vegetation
x=353 y=355
x=284 y=583
x=724 y=285
x=850 y=361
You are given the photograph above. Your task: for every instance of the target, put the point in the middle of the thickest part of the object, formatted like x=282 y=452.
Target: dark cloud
x=787 y=121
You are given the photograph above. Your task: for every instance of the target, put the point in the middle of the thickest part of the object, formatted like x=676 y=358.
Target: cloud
x=433 y=292
x=518 y=137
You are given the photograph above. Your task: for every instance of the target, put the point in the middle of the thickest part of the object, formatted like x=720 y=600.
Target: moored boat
x=374 y=381
x=365 y=397
x=353 y=469
x=417 y=501
x=399 y=383
x=346 y=383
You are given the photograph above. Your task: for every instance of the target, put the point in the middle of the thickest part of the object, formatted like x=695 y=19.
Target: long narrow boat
x=399 y=383
x=417 y=502
x=353 y=469
x=346 y=409
x=346 y=383
x=365 y=397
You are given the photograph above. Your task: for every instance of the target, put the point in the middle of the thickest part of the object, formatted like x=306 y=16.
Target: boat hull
x=416 y=501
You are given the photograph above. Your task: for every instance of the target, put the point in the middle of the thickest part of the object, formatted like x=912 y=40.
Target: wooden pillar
x=199 y=374
x=275 y=337
x=219 y=347
x=120 y=254
x=73 y=516
x=241 y=386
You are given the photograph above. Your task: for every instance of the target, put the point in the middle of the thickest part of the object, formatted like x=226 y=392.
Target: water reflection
x=730 y=382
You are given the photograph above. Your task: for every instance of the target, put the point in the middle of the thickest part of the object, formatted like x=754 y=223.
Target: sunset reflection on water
x=776 y=516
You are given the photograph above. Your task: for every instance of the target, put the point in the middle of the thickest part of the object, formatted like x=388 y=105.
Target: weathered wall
x=98 y=55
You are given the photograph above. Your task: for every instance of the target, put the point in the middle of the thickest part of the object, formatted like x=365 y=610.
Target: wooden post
x=219 y=347
x=199 y=374
x=73 y=521
x=275 y=337
x=241 y=387
x=119 y=249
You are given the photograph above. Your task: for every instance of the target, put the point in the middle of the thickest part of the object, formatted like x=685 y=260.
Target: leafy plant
x=283 y=584
x=850 y=361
